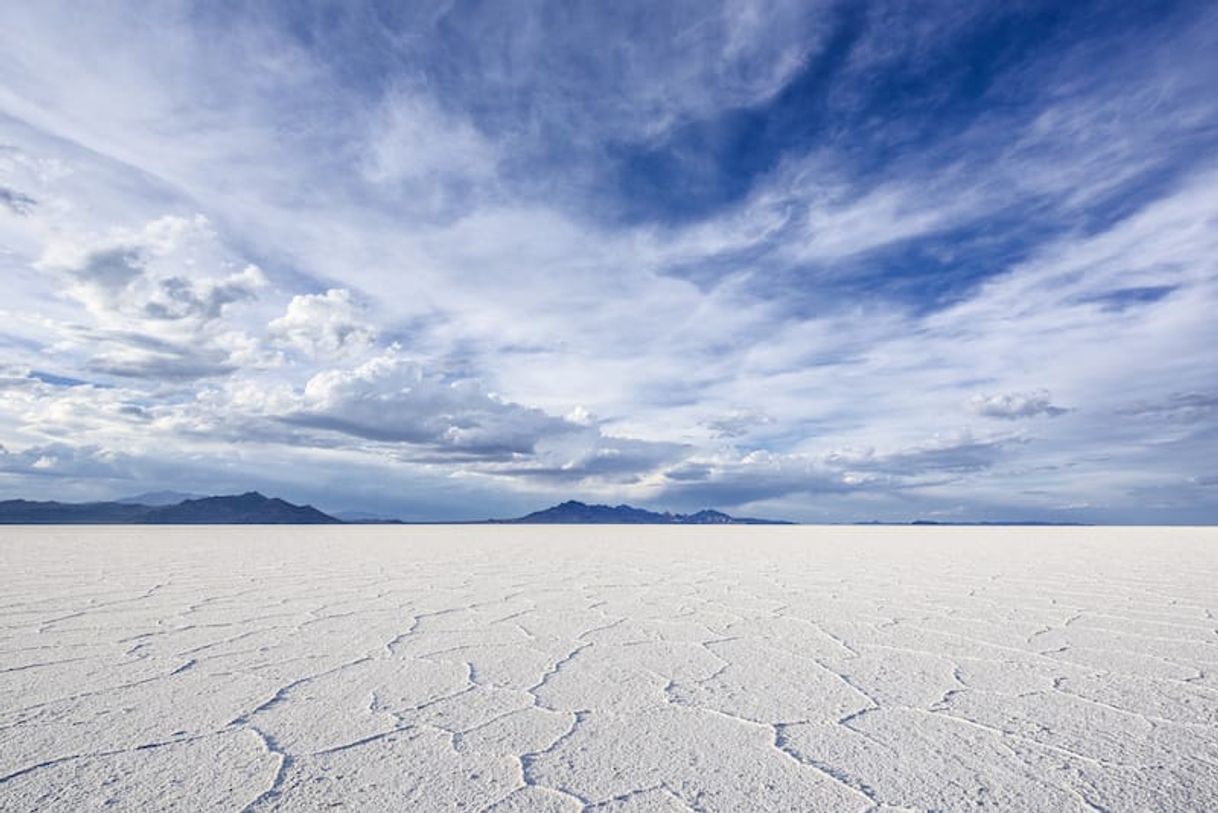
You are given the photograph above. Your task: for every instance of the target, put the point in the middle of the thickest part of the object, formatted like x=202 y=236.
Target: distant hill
x=30 y=512
x=573 y=512
x=250 y=508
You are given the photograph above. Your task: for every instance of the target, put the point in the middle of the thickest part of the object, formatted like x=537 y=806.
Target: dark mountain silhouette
x=573 y=512
x=31 y=512
x=250 y=508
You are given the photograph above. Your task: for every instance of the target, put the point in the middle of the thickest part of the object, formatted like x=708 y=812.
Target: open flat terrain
x=608 y=668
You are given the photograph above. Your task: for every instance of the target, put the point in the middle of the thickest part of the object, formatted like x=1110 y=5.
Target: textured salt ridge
x=608 y=669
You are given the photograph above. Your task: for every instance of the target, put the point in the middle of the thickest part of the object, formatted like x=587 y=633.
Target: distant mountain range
x=573 y=512
x=250 y=508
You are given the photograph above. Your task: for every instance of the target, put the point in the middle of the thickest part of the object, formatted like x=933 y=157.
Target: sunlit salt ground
x=622 y=669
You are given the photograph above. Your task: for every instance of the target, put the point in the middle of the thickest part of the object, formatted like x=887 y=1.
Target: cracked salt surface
x=608 y=669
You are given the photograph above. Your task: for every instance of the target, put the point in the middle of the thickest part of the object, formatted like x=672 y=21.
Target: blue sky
x=828 y=261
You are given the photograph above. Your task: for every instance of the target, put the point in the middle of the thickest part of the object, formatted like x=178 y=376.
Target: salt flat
x=608 y=668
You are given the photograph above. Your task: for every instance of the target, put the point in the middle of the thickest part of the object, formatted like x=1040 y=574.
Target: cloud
x=941 y=458
x=391 y=398
x=734 y=479
x=588 y=458
x=423 y=417
x=737 y=423
x=133 y=355
x=152 y=273
x=71 y=410
x=157 y=297
x=1015 y=405
x=182 y=298
x=63 y=460
x=1181 y=407
x=17 y=202
x=425 y=174
x=325 y=324
x=957 y=454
